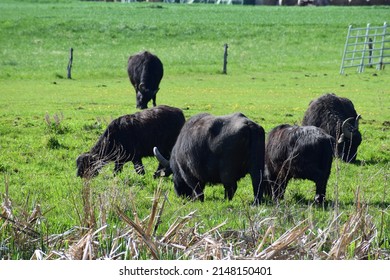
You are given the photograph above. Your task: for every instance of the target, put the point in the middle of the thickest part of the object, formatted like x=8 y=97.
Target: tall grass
x=343 y=237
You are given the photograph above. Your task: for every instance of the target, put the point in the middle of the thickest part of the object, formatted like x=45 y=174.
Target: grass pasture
x=279 y=59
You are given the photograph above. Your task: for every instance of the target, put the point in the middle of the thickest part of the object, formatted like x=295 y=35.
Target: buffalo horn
x=347 y=128
x=141 y=87
x=357 y=122
x=160 y=158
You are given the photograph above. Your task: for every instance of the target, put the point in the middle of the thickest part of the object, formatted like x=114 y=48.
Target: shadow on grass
x=371 y=162
x=330 y=204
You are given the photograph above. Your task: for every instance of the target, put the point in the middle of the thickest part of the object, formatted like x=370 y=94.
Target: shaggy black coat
x=145 y=72
x=216 y=150
x=302 y=152
x=329 y=112
x=132 y=137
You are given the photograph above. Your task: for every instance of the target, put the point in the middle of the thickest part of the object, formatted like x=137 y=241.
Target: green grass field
x=279 y=59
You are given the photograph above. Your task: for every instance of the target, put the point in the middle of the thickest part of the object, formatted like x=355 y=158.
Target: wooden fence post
x=70 y=64
x=224 y=71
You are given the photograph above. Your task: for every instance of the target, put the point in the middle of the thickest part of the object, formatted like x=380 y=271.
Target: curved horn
x=141 y=86
x=164 y=162
x=347 y=128
x=357 y=122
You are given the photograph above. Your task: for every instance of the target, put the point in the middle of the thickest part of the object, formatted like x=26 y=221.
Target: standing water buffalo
x=337 y=116
x=216 y=150
x=132 y=137
x=145 y=72
x=304 y=152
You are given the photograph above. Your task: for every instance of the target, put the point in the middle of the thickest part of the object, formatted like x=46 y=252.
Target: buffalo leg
x=139 y=168
x=320 y=191
x=281 y=190
x=278 y=189
x=198 y=192
x=230 y=190
x=258 y=185
x=321 y=179
x=280 y=185
x=118 y=167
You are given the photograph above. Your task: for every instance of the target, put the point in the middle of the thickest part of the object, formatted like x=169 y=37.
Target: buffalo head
x=349 y=140
x=144 y=95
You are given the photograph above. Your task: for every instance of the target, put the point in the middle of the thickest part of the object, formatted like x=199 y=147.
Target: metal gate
x=366 y=47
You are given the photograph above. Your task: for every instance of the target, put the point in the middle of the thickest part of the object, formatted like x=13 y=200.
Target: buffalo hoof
x=319 y=199
x=159 y=173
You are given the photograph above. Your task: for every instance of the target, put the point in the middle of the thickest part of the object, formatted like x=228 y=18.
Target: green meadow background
x=279 y=59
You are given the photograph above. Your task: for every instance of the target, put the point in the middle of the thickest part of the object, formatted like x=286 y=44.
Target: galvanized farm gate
x=366 y=47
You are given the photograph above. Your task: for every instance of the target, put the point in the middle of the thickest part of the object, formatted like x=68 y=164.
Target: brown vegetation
x=137 y=238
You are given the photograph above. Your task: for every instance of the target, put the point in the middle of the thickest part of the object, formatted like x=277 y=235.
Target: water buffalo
x=214 y=150
x=132 y=137
x=304 y=152
x=145 y=72
x=337 y=116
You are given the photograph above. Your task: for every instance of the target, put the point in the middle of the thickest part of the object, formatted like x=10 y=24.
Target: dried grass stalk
x=275 y=250
x=89 y=220
x=147 y=239
x=358 y=229
x=177 y=225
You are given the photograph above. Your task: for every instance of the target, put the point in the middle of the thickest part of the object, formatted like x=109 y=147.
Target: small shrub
x=55 y=124
x=4 y=168
x=53 y=143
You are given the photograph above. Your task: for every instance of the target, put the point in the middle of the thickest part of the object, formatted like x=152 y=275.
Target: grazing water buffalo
x=304 y=152
x=213 y=150
x=132 y=137
x=145 y=72
x=337 y=116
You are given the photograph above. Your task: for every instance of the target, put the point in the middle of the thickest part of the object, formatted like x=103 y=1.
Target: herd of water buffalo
x=207 y=149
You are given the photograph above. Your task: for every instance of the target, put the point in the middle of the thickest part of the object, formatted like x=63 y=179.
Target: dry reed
x=136 y=238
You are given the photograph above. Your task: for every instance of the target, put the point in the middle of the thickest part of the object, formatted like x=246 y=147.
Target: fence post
x=361 y=67
x=345 y=50
x=70 y=64
x=370 y=47
x=380 y=65
x=225 y=54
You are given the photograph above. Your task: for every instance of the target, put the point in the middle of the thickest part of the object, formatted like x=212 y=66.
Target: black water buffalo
x=304 y=152
x=337 y=116
x=132 y=137
x=214 y=150
x=145 y=72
